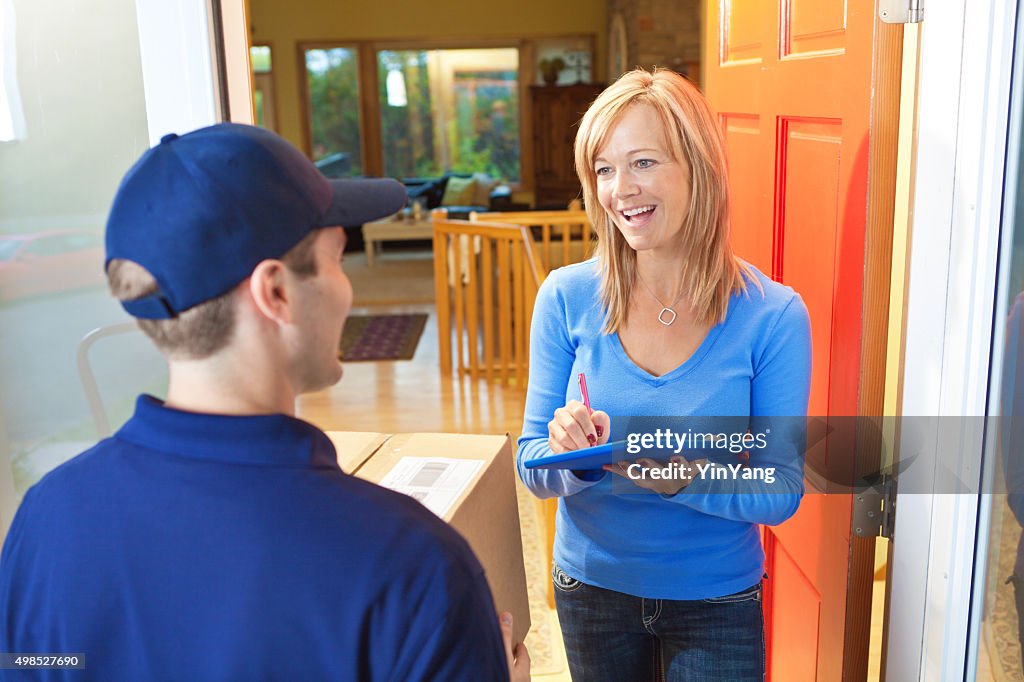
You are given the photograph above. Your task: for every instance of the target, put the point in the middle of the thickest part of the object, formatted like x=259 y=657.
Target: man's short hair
x=206 y=328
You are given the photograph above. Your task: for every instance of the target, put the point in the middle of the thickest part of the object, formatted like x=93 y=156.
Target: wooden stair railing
x=485 y=280
x=571 y=229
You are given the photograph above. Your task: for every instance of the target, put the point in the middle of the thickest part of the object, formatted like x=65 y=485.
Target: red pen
x=586 y=401
x=583 y=392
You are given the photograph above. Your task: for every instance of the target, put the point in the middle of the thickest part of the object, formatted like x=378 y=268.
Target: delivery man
x=214 y=537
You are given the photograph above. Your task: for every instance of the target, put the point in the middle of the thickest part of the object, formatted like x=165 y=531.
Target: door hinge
x=874 y=509
x=901 y=11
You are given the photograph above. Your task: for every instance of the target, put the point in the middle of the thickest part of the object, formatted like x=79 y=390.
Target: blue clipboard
x=586 y=459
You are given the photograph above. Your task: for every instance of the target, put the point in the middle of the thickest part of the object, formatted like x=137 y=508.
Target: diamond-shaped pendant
x=670 y=320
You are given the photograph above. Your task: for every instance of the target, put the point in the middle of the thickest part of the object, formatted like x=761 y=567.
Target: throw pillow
x=484 y=184
x=459 y=192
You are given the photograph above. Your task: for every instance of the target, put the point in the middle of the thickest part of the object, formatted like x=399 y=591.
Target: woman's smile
x=639 y=216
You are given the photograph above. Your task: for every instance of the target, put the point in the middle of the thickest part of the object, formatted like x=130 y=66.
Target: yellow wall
x=285 y=23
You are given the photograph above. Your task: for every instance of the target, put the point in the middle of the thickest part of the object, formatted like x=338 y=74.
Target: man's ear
x=268 y=287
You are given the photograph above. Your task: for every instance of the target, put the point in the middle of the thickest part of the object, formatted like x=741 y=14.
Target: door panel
x=812 y=29
x=808 y=184
x=749 y=196
x=791 y=625
x=742 y=34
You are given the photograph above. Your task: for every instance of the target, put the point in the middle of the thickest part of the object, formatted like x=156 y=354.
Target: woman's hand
x=574 y=428
x=669 y=479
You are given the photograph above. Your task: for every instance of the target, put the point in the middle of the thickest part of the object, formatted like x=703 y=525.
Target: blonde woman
x=666 y=322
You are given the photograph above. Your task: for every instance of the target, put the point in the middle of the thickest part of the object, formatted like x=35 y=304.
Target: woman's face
x=646 y=192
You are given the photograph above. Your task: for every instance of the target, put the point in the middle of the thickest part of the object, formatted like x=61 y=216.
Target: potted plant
x=550 y=68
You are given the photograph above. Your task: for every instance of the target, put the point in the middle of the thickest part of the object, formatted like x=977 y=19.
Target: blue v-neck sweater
x=704 y=541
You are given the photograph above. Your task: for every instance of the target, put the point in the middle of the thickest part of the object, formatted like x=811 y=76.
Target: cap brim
x=359 y=201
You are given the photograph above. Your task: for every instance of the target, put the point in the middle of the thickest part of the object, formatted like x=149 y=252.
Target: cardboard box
x=484 y=510
x=355 y=447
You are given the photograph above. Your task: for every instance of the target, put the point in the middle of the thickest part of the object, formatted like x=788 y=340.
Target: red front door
x=792 y=81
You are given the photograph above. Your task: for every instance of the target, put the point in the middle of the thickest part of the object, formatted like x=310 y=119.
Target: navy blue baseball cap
x=200 y=211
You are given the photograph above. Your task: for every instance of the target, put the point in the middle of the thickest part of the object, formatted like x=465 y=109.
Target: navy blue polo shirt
x=203 y=547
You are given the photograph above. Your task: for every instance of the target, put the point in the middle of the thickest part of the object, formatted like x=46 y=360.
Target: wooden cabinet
x=556 y=113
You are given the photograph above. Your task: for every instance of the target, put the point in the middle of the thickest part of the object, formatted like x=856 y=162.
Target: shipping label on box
x=436 y=482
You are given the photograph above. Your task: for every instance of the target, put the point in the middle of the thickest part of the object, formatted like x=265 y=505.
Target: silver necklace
x=664 y=308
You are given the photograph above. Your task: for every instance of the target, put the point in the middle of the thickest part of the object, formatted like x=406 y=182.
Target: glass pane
x=262 y=84
x=77 y=95
x=332 y=77
x=260 y=57
x=1002 y=626
x=1002 y=621
x=407 y=120
x=450 y=110
x=263 y=100
x=257 y=95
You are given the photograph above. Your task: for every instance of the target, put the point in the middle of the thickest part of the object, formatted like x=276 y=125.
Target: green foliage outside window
x=258 y=97
x=407 y=132
x=260 y=57
x=334 y=110
x=487 y=107
x=469 y=126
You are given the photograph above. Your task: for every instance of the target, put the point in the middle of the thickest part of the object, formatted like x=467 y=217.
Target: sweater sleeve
x=779 y=391
x=552 y=354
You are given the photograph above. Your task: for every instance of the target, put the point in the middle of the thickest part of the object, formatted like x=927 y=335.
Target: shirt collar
x=266 y=440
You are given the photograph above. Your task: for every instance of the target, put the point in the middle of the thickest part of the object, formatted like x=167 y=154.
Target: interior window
x=450 y=110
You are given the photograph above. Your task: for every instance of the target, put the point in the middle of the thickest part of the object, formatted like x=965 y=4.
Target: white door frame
x=179 y=68
x=178 y=72
x=963 y=95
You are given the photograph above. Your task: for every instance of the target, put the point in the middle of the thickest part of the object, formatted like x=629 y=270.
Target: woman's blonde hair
x=711 y=273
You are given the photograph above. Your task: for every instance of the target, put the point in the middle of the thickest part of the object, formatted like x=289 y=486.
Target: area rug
x=381 y=337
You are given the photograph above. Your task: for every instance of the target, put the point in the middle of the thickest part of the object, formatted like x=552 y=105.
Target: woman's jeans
x=620 y=638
